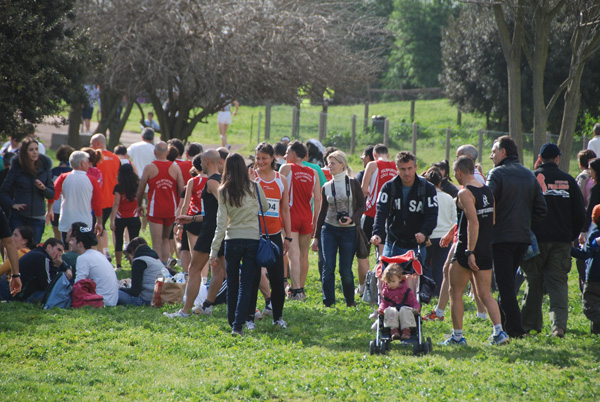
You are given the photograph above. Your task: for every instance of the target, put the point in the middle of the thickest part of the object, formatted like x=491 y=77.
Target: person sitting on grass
x=145 y=267
x=398 y=303
x=23 y=238
x=92 y=264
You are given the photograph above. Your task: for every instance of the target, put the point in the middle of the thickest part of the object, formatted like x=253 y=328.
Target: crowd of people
x=210 y=208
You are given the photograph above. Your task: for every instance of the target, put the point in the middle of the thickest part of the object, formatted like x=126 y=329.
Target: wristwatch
x=468 y=253
x=289 y=239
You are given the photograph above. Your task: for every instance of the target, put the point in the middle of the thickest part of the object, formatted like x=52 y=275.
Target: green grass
x=137 y=354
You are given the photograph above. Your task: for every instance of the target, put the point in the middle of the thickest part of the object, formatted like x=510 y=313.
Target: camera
x=341 y=215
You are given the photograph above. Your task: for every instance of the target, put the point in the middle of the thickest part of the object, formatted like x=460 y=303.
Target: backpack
x=84 y=294
x=58 y=293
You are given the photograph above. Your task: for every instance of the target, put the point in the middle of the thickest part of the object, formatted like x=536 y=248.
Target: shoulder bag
x=268 y=252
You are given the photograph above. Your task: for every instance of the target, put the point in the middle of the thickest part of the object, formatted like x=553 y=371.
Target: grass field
x=137 y=354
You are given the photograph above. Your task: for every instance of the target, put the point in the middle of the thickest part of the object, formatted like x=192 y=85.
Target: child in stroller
x=398 y=303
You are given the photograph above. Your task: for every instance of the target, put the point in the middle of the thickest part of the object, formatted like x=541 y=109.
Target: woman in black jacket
x=26 y=188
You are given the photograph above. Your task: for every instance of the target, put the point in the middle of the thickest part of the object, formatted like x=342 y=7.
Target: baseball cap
x=549 y=151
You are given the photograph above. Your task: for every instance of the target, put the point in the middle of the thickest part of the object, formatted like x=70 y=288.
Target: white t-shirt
x=93 y=265
x=594 y=145
x=446 y=214
x=141 y=154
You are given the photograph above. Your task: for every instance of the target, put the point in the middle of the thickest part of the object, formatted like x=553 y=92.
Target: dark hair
x=298 y=148
x=223 y=154
x=595 y=164
x=52 y=242
x=176 y=142
x=445 y=166
x=279 y=148
x=134 y=244
x=507 y=144
x=120 y=150
x=85 y=235
x=172 y=153
x=369 y=151
x=404 y=157
x=267 y=148
x=585 y=156
x=380 y=149
x=197 y=162
x=314 y=154
x=63 y=153
x=434 y=176
x=128 y=181
x=27 y=234
x=8 y=159
x=194 y=149
x=27 y=164
x=328 y=152
x=95 y=155
x=235 y=182
x=464 y=164
x=597 y=129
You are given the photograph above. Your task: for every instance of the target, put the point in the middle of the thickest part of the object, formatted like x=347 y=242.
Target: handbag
x=268 y=252
x=363 y=249
x=167 y=292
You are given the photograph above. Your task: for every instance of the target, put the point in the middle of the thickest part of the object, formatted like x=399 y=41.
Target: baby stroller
x=414 y=270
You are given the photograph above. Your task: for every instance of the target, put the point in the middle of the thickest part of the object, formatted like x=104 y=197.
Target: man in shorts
x=304 y=188
x=165 y=184
x=212 y=165
x=109 y=166
x=473 y=255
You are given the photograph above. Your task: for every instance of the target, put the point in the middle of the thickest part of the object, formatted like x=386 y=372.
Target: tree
x=416 y=59
x=37 y=50
x=192 y=57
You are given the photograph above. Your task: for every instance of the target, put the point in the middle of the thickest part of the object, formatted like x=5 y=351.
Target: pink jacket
x=397 y=295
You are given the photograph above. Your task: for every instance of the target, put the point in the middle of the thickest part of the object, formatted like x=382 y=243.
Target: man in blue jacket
x=555 y=234
x=407 y=210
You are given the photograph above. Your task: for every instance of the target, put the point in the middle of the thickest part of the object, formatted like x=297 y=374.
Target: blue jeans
x=125 y=299
x=242 y=273
x=36 y=297
x=37 y=225
x=335 y=238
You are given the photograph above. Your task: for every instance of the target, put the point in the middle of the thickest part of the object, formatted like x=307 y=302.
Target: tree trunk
x=115 y=134
x=569 y=120
x=74 y=123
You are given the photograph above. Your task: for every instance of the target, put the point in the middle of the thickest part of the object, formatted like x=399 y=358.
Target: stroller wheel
x=383 y=347
x=372 y=348
x=416 y=349
x=388 y=346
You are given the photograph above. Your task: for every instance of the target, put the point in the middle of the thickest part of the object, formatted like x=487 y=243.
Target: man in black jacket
x=407 y=209
x=555 y=234
x=519 y=201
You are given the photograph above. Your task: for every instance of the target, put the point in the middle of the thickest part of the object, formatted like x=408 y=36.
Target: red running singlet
x=162 y=192
x=196 y=201
x=301 y=180
x=386 y=171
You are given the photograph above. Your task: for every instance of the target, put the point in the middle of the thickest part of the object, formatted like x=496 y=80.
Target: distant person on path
x=165 y=184
x=92 y=264
x=473 y=256
x=27 y=187
x=224 y=120
x=81 y=195
x=519 y=202
x=150 y=122
x=304 y=188
x=549 y=270
x=594 y=143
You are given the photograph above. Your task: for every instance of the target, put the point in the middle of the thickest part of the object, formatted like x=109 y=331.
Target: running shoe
x=432 y=317
x=280 y=323
x=201 y=310
x=258 y=315
x=250 y=325
x=267 y=311
x=500 y=339
x=177 y=314
x=452 y=341
x=237 y=332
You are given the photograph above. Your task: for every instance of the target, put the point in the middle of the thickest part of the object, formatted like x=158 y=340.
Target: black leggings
x=275 y=274
x=133 y=226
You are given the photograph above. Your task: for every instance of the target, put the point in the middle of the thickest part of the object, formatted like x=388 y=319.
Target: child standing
x=398 y=303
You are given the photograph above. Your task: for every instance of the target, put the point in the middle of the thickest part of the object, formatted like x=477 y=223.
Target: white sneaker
x=177 y=314
x=258 y=315
x=267 y=311
x=200 y=310
x=280 y=323
x=250 y=325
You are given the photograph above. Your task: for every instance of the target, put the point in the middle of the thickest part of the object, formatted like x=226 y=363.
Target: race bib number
x=273 y=210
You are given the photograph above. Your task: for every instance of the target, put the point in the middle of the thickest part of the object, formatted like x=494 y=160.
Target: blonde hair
x=341 y=158
x=393 y=270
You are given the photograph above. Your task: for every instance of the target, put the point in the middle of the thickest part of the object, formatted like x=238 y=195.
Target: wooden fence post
x=353 y=135
x=258 y=133
x=294 y=133
x=366 y=120
x=386 y=132
x=412 y=111
x=448 y=134
x=267 y=122
x=415 y=134
x=480 y=146
x=459 y=118
x=585 y=141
